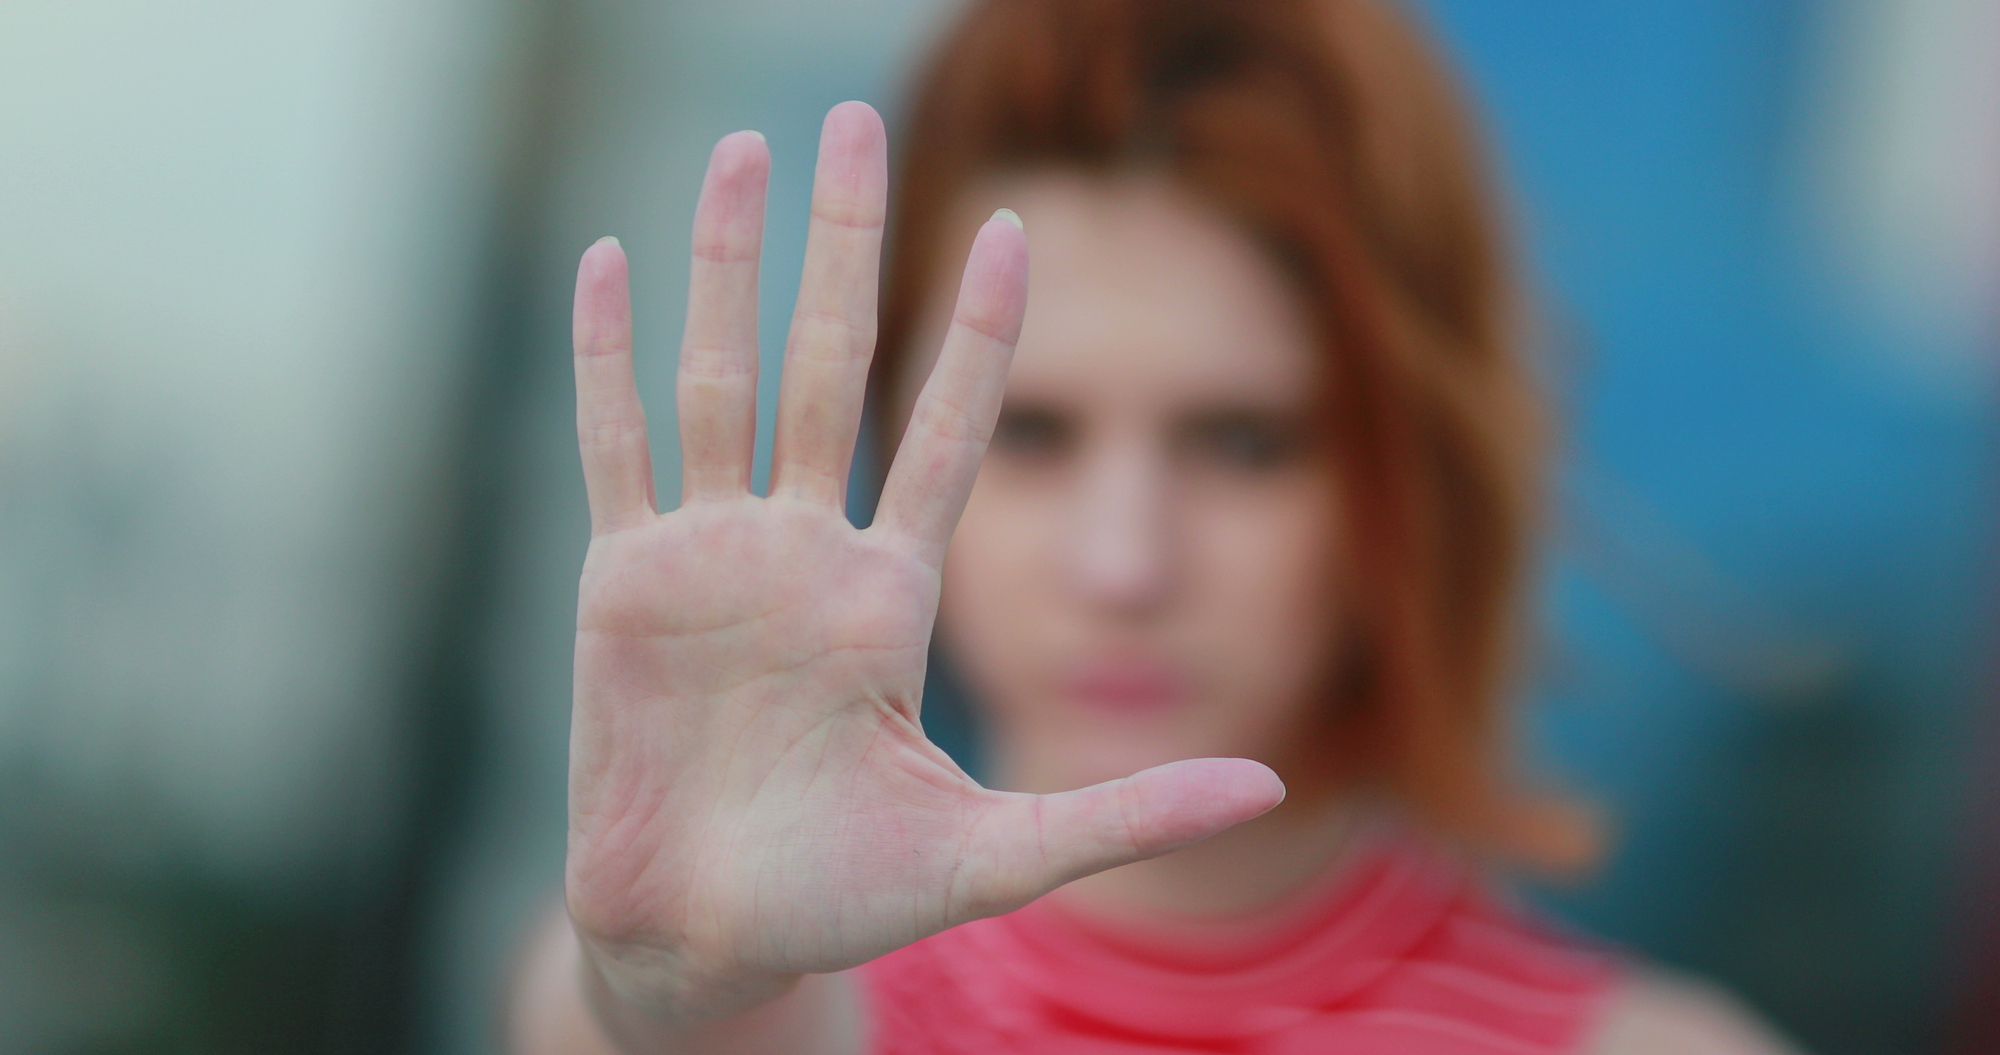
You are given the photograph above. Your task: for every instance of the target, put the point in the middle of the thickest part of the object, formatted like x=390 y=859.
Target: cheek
x=1271 y=566
x=995 y=580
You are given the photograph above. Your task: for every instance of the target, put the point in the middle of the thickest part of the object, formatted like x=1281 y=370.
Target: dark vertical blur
x=269 y=273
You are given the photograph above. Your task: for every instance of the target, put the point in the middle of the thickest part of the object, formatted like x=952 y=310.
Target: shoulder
x=1657 y=1012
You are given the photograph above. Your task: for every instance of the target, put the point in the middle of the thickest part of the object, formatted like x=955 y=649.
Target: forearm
x=562 y=1005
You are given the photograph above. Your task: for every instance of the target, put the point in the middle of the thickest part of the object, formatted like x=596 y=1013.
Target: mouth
x=1125 y=686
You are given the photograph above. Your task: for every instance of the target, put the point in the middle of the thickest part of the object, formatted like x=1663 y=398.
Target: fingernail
x=759 y=135
x=1010 y=216
x=609 y=238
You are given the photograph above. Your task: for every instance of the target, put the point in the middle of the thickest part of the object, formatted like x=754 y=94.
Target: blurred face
x=1145 y=571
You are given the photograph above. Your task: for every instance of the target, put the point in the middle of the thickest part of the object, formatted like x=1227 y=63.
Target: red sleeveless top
x=1404 y=952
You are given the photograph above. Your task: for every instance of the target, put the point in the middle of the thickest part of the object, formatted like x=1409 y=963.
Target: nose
x=1120 y=551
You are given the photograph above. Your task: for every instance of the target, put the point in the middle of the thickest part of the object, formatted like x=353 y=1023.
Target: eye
x=1033 y=433
x=1245 y=440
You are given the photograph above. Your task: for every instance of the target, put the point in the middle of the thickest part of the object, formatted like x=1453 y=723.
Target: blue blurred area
x=1755 y=480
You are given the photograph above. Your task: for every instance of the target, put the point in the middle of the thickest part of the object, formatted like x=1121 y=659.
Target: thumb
x=1029 y=845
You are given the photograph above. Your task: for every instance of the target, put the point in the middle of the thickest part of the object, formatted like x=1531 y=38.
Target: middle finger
x=833 y=326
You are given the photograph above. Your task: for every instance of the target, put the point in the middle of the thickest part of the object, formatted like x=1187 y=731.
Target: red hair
x=1330 y=131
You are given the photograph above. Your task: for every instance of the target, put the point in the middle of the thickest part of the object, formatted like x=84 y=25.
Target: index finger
x=953 y=419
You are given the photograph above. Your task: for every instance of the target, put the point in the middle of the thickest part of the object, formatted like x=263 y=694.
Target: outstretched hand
x=752 y=795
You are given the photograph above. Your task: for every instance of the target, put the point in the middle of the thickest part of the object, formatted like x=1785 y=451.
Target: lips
x=1125 y=686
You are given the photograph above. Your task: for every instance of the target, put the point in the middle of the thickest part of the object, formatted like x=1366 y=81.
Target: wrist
x=644 y=997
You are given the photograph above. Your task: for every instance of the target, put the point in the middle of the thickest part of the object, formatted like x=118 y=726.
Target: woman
x=1233 y=588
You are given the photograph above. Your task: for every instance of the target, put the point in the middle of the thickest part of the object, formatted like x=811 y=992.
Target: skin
x=1146 y=569
x=1142 y=576
x=752 y=798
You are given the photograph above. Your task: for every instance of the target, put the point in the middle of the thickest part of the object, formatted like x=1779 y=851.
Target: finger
x=954 y=415
x=1035 y=843
x=833 y=327
x=716 y=391
x=610 y=423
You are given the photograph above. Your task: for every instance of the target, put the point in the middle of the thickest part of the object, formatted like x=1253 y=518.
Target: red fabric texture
x=1405 y=951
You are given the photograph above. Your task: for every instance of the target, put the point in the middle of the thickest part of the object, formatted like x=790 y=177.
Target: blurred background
x=290 y=514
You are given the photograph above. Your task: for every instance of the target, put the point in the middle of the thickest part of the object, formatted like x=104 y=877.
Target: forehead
x=1139 y=291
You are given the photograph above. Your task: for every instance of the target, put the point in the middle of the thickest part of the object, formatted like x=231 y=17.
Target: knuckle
x=714 y=362
x=614 y=432
x=951 y=423
x=724 y=250
x=816 y=328
x=593 y=345
x=987 y=324
x=1130 y=832
x=840 y=212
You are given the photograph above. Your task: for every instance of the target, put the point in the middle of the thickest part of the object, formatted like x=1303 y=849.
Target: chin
x=1078 y=758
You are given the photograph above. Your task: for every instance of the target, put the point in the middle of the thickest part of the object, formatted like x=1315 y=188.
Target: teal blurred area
x=290 y=516
x=1767 y=239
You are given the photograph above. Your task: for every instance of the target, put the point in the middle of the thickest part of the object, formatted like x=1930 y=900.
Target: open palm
x=751 y=789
